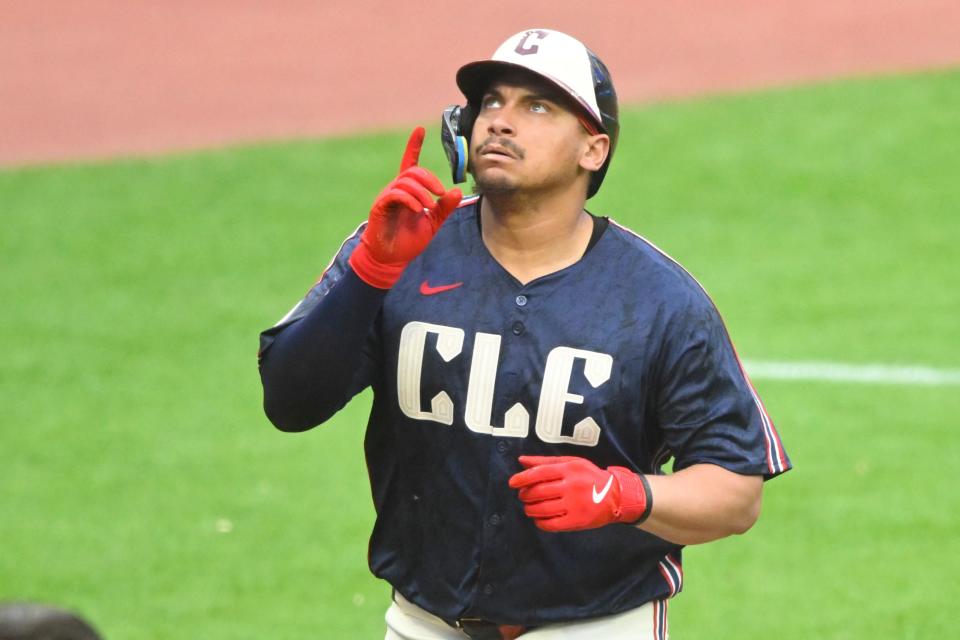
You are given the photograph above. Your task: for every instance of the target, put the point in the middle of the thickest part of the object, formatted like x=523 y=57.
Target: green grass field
x=142 y=485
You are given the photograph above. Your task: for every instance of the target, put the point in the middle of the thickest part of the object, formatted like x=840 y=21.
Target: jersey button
x=502 y=446
x=521 y=301
x=518 y=328
x=488 y=589
x=495 y=519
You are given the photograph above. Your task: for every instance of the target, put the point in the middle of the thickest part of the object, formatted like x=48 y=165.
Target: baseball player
x=534 y=367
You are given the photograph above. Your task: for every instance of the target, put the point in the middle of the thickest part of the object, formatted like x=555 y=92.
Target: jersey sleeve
x=707 y=408
x=325 y=350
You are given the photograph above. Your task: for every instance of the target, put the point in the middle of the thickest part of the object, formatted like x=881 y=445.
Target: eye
x=490 y=102
x=539 y=107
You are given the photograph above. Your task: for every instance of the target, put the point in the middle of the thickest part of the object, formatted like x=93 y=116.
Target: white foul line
x=863 y=373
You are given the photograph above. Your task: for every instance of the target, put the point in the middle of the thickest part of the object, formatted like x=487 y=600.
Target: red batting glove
x=403 y=220
x=566 y=493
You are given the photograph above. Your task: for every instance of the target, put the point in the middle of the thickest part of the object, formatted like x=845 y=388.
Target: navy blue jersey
x=620 y=358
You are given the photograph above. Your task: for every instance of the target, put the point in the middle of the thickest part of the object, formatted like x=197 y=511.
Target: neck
x=532 y=238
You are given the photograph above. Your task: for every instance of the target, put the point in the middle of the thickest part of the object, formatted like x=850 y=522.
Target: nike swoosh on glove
x=568 y=493
x=403 y=219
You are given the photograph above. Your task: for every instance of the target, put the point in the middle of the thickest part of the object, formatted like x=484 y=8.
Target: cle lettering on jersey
x=554 y=395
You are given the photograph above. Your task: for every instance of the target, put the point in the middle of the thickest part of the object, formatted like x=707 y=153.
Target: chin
x=493 y=182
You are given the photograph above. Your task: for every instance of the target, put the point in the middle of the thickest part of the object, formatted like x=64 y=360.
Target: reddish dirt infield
x=97 y=78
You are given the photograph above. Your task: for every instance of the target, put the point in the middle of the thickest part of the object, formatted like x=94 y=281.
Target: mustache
x=506 y=143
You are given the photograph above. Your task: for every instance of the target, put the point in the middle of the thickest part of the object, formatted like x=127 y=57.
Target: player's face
x=527 y=138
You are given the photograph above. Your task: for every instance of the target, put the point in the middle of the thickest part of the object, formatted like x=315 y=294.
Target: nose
x=500 y=124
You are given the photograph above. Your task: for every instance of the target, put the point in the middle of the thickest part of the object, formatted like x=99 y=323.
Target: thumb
x=411 y=156
x=445 y=205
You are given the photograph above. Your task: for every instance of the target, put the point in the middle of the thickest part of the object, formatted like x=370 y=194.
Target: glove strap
x=636 y=500
x=376 y=274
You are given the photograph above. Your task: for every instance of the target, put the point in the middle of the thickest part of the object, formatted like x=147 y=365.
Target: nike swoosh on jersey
x=598 y=497
x=427 y=290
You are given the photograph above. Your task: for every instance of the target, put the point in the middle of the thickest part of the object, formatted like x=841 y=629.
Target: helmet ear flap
x=456 y=127
x=468 y=115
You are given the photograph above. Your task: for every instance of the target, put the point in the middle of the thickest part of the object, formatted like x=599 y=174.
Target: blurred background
x=174 y=176
x=95 y=78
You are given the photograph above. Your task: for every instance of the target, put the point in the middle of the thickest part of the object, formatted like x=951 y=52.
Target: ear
x=595 y=152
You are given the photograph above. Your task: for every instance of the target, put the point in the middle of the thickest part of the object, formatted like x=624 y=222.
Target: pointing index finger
x=411 y=156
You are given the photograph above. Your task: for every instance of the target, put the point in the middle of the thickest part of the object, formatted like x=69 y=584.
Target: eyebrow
x=530 y=95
